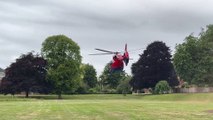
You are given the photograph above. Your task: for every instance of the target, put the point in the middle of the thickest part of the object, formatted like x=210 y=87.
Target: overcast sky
x=106 y=24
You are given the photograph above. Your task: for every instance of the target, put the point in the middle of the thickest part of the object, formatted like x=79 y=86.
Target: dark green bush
x=162 y=87
x=124 y=87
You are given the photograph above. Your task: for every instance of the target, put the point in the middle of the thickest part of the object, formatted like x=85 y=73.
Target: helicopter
x=118 y=59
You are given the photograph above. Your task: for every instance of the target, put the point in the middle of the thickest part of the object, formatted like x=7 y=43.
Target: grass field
x=108 y=107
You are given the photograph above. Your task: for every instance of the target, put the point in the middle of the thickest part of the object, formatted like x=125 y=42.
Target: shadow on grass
x=208 y=97
x=69 y=97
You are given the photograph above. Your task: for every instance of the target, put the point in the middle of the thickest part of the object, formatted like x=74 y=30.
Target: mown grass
x=108 y=107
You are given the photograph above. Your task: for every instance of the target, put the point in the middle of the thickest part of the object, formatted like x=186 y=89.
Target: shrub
x=162 y=87
x=185 y=85
x=108 y=90
x=95 y=90
x=124 y=87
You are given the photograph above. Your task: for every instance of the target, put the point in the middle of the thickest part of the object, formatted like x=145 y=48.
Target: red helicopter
x=118 y=59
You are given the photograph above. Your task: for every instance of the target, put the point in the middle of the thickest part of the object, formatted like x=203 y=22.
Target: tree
x=206 y=37
x=26 y=74
x=64 y=60
x=89 y=75
x=153 y=65
x=193 y=59
x=7 y=86
x=111 y=79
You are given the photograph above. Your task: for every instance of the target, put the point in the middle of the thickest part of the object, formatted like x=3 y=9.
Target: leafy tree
x=111 y=79
x=153 y=65
x=193 y=59
x=206 y=36
x=89 y=75
x=7 y=87
x=26 y=74
x=162 y=87
x=64 y=60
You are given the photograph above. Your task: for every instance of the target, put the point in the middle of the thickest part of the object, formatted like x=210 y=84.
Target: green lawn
x=108 y=107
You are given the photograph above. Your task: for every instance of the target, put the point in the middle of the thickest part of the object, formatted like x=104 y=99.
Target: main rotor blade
x=102 y=54
x=105 y=50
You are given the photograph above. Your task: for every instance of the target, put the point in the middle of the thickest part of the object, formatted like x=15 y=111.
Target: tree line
x=58 y=69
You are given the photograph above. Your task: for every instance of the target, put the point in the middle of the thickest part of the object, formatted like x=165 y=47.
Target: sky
x=105 y=24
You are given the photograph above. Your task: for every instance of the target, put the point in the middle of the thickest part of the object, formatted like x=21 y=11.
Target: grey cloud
x=107 y=24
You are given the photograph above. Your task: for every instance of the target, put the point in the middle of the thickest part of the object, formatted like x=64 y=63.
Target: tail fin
x=125 y=47
x=126 y=55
